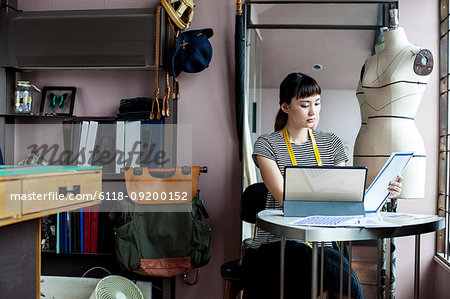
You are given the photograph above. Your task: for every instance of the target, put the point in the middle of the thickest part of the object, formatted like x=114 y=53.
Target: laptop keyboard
x=328 y=220
x=315 y=172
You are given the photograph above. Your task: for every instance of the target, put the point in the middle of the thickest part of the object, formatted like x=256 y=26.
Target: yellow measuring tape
x=291 y=152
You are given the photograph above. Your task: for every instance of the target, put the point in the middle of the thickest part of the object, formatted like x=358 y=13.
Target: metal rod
x=417 y=268
x=379 y=267
x=341 y=270
x=383 y=269
x=283 y=247
x=447 y=219
x=349 y=270
x=388 y=269
x=392 y=255
x=313 y=26
x=320 y=2
x=314 y=271
x=321 y=268
x=393 y=261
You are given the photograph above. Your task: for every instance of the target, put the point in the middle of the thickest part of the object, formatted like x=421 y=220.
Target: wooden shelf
x=23 y=115
x=90 y=117
x=53 y=252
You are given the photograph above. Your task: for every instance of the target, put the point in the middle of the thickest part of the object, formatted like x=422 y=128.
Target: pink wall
x=441 y=282
x=207 y=104
x=425 y=34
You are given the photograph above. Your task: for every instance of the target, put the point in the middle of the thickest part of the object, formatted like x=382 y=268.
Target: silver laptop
x=324 y=190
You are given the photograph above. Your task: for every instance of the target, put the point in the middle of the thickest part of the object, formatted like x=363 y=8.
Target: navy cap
x=193 y=53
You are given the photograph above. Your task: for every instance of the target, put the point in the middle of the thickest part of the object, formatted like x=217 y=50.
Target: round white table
x=395 y=225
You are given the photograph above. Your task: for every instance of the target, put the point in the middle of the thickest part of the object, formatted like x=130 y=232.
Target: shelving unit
x=54 y=264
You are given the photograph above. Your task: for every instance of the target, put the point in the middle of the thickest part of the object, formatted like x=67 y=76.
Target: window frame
x=442 y=237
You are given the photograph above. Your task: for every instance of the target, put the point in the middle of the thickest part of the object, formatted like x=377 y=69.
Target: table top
x=274 y=222
x=7 y=170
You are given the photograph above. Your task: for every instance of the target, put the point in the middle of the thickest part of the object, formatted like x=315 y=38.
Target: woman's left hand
x=395 y=187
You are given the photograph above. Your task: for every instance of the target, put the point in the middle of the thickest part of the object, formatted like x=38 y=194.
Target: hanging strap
x=156 y=93
x=165 y=105
x=291 y=153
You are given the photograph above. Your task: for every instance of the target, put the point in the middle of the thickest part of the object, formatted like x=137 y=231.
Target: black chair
x=253 y=201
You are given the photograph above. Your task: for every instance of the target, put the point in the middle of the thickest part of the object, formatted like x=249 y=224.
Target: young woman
x=295 y=122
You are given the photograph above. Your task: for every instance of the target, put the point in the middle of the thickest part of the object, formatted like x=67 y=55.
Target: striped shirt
x=273 y=146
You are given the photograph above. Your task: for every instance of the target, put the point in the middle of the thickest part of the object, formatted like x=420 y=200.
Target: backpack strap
x=156 y=92
x=197 y=278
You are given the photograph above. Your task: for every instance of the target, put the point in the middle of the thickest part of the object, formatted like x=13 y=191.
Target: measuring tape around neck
x=291 y=152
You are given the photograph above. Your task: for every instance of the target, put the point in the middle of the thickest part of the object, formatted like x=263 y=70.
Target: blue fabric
x=1 y=157
x=332 y=263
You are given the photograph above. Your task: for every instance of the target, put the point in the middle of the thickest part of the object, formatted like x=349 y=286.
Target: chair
x=253 y=201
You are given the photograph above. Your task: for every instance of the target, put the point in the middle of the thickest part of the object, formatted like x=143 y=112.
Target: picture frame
x=57 y=100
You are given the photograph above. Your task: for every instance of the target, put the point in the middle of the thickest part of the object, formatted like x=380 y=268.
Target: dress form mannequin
x=363 y=109
x=393 y=82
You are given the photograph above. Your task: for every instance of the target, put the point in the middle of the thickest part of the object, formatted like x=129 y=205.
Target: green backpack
x=164 y=244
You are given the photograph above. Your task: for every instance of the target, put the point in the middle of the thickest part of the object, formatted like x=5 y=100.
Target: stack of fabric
x=135 y=108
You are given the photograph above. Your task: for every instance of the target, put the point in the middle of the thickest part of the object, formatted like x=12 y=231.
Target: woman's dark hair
x=296 y=85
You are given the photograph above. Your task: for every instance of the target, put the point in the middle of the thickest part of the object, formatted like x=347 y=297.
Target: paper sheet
x=377 y=192
x=374 y=220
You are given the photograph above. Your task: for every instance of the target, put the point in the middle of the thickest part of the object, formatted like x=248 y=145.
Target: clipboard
x=377 y=193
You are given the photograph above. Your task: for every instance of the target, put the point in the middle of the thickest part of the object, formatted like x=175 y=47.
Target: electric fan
x=116 y=287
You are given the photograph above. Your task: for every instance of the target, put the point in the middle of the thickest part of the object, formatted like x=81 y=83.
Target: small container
x=23 y=97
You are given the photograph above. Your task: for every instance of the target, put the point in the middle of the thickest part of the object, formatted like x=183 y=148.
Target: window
x=443 y=248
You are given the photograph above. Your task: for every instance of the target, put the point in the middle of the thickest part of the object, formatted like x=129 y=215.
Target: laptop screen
x=325 y=183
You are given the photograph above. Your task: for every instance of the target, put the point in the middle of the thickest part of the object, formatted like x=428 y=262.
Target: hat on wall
x=193 y=53
x=180 y=11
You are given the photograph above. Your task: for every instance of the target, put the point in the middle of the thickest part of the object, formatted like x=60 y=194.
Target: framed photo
x=57 y=100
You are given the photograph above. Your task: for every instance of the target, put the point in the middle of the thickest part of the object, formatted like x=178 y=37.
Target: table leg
x=283 y=247
x=314 y=271
x=321 y=268
x=169 y=288
x=417 y=268
x=349 y=270
x=341 y=271
x=20 y=260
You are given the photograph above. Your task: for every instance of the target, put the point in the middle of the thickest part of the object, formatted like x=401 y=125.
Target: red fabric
x=165 y=267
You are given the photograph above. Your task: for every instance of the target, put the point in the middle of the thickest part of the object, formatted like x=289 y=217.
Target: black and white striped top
x=273 y=146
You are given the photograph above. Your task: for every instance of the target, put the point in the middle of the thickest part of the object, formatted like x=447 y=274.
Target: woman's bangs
x=307 y=87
